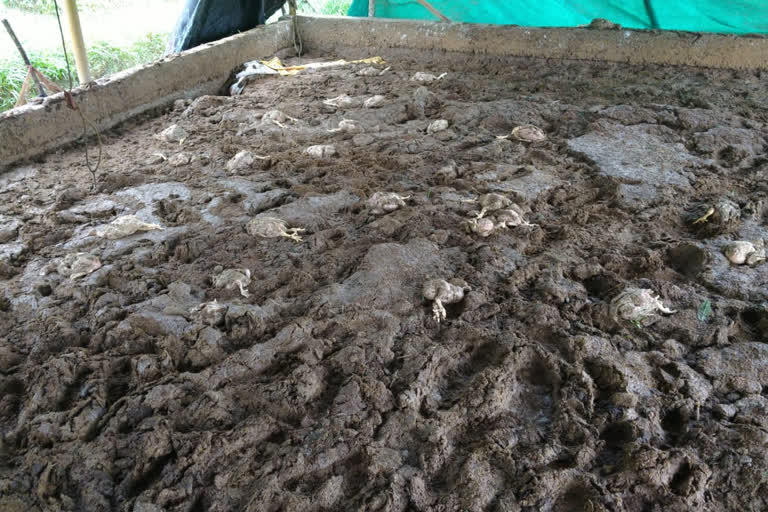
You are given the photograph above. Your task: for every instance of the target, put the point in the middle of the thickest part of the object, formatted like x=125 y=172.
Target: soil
x=331 y=386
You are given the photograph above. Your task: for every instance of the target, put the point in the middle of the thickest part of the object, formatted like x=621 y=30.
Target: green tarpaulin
x=725 y=16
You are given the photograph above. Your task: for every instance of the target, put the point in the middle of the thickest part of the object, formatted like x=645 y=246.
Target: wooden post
x=78 y=44
x=371 y=8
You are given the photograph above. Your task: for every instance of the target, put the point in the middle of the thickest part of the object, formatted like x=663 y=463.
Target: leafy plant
x=705 y=311
x=13 y=73
x=327 y=7
x=36 y=6
x=11 y=79
x=336 y=7
x=104 y=59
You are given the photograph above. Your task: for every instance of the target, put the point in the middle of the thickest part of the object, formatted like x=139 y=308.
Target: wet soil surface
x=331 y=386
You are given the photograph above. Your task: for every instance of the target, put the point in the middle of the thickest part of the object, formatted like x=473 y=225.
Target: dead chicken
x=483 y=227
x=427 y=78
x=210 y=313
x=156 y=158
x=443 y=292
x=234 y=278
x=174 y=133
x=321 y=150
x=347 y=126
x=638 y=305
x=741 y=252
x=372 y=71
x=272 y=227
x=374 y=101
x=180 y=159
x=342 y=101
x=490 y=203
x=526 y=133
x=242 y=160
x=511 y=217
x=368 y=71
x=78 y=264
x=124 y=226
x=276 y=117
x=723 y=214
x=385 y=202
x=247 y=73
x=437 y=126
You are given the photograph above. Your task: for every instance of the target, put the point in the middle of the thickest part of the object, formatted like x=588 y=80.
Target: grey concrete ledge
x=31 y=130
x=326 y=33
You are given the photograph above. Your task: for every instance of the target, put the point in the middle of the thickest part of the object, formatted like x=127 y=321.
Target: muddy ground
x=331 y=386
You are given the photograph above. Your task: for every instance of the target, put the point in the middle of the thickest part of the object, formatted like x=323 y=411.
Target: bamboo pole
x=23 y=56
x=78 y=44
x=428 y=6
x=315 y=8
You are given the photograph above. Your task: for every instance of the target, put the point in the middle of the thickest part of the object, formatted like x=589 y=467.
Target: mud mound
x=139 y=375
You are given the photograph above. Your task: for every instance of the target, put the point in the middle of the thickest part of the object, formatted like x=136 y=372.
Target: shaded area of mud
x=331 y=386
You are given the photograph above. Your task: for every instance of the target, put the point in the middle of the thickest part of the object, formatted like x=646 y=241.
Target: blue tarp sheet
x=203 y=21
x=725 y=16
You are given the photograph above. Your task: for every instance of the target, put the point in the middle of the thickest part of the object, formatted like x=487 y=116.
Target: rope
x=298 y=45
x=71 y=103
x=23 y=57
x=24 y=91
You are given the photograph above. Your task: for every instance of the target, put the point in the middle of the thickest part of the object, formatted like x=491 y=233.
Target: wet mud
x=321 y=379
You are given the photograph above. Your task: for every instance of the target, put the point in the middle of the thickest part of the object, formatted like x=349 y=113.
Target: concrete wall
x=615 y=45
x=35 y=129
x=31 y=130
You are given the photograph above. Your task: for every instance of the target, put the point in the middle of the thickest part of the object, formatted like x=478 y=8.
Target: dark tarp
x=203 y=21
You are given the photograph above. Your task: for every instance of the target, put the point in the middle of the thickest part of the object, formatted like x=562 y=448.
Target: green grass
x=327 y=7
x=336 y=7
x=12 y=74
x=103 y=58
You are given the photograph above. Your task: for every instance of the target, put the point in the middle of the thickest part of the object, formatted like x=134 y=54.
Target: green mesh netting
x=726 y=16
